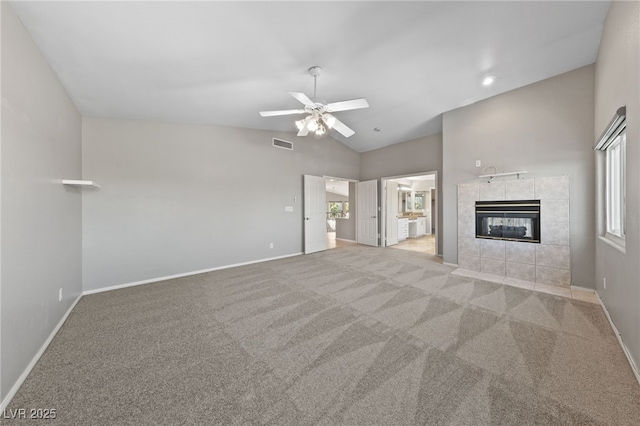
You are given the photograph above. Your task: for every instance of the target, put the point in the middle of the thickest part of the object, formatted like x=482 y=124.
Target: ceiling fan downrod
x=315 y=72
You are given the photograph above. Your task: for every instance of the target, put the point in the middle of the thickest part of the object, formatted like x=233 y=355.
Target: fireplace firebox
x=508 y=220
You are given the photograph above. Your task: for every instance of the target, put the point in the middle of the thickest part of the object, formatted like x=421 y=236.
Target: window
x=613 y=144
x=615 y=185
x=338 y=210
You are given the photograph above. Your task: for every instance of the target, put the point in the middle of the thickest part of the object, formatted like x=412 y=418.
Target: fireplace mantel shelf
x=503 y=174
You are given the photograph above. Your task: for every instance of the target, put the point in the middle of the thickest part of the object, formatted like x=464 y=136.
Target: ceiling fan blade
x=347 y=105
x=283 y=112
x=301 y=97
x=342 y=128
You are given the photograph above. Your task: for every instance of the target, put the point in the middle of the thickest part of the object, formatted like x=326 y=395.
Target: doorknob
x=373 y=217
x=306 y=218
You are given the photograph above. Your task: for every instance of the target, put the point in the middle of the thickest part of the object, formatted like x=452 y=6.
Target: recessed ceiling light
x=488 y=80
x=376 y=129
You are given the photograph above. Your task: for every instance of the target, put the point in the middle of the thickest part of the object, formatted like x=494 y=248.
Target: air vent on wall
x=283 y=144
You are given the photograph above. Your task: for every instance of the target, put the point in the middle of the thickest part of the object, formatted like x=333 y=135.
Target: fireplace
x=508 y=220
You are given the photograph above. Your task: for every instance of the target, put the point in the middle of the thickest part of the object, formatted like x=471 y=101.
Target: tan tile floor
x=424 y=244
x=333 y=243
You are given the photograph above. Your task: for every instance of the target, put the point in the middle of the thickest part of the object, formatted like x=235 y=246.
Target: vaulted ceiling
x=220 y=63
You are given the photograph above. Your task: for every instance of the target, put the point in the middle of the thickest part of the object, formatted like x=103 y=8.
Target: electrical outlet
x=604 y=283
x=270 y=245
x=60 y=295
x=478 y=163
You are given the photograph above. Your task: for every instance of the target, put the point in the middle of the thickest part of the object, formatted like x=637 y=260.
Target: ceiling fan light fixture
x=321 y=130
x=329 y=120
x=312 y=125
x=319 y=120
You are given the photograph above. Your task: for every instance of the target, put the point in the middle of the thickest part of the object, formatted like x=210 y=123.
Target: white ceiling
x=340 y=187
x=220 y=63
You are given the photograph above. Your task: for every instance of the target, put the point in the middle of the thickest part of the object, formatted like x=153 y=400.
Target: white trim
x=584 y=289
x=383 y=206
x=340 y=178
x=36 y=358
x=614 y=241
x=344 y=239
x=186 y=274
x=632 y=363
x=492 y=175
x=455 y=265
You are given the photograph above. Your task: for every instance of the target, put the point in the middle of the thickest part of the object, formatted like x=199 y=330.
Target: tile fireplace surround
x=548 y=262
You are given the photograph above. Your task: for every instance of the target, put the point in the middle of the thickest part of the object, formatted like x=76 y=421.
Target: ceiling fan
x=319 y=117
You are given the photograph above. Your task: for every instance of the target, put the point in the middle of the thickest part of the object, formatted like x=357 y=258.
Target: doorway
x=338 y=216
x=410 y=215
x=340 y=211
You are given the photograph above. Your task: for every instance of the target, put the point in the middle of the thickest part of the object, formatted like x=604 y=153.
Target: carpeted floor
x=355 y=335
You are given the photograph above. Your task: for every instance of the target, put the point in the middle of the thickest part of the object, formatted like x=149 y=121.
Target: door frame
x=387 y=218
x=383 y=206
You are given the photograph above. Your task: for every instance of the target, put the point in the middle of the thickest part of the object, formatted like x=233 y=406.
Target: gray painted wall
x=41 y=218
x=181 y=198
x=406 y=158
x=545 y=128
x=616 y=84
x=345 y=228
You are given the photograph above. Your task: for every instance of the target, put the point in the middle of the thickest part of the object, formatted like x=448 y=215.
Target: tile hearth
x=576 y=293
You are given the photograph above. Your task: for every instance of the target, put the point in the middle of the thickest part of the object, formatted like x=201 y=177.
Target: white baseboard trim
x=344 y=239
x=585 y=289
x=186 y=274
x=36 y=358
x=455 y=265
x=632 y=363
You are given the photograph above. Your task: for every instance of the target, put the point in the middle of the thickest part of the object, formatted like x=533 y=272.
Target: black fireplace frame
x=516 y=209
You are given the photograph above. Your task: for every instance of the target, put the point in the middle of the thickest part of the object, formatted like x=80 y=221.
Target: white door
x=367 y=207
x=392 y=214
x=315 y=214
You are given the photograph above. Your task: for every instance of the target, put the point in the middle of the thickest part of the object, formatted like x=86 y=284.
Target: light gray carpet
x=355 y=335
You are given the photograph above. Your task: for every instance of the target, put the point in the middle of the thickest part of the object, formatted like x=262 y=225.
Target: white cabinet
x=403 y=229
x=417 y=227
x=422 y=226
x=413 y=228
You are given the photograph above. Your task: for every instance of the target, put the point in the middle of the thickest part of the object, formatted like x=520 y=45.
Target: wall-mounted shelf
x=491 y=176
x=80 y=183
